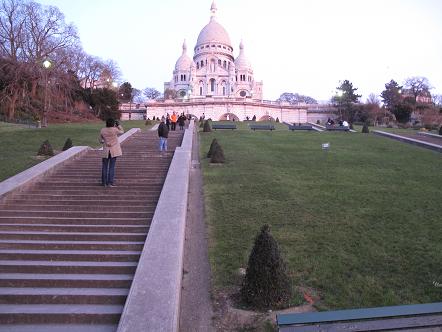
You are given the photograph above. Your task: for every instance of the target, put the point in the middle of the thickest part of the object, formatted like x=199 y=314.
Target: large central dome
x=213 y=32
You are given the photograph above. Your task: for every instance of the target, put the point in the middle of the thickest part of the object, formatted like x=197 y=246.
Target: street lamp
x=46 y=65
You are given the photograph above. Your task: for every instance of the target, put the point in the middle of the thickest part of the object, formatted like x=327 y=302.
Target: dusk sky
x=303 y=46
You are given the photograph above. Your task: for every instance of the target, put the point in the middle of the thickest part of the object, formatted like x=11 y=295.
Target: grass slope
x=359 y=224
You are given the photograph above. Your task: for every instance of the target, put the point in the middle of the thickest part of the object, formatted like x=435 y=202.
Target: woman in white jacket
x=111 y=150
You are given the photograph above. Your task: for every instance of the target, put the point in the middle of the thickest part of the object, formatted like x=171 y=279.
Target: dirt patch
x=229 y=318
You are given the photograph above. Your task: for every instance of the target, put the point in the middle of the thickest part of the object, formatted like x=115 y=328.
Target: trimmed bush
x=318 y=122
x=67 y=144
x=206 y=127
x=277 y=119
x=45 y=149
x=148 y=122
x=201 y=123
x=212 y=148
x=365 y=129
x=217 y=155
x=266 y=284
x=440 y=130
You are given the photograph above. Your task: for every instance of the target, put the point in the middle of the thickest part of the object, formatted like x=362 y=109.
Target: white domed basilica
x=214 y=72
x=214 y=84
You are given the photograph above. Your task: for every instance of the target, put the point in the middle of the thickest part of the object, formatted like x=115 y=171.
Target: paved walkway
x=196 y=304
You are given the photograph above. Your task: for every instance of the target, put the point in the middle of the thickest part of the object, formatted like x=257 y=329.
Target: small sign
x=325 y=146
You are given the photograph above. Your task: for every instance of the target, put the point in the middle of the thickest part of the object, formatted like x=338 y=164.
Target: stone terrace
x=69 y=247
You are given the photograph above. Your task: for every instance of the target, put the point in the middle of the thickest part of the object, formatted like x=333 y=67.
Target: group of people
x=171 y=120
x=341 y=123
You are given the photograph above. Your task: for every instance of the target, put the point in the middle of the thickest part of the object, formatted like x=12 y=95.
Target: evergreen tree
x=266 y=284
x=45 y=149
x=207 y=127
x=217 y=156
x=345 y=101
x=67 y=144
x=212 y=148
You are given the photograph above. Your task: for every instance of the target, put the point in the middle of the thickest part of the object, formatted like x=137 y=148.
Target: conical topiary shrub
x=67 y=144
x=148 y=122
x=212 y=148
x=266 y=284
x=45 y=149
x=277 y=119
x=440 y=130
x=365 y=129
x=201 y=123
x=217 y=155
x=207 y=127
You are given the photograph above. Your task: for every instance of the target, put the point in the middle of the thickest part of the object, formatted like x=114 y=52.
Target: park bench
x=301 y=127
x=337 y=128
x=216 y=126
x=261 y=127
x=367 y=319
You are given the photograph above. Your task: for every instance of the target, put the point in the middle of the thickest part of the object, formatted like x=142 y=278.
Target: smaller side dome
x=184 y=62
x=241 y=62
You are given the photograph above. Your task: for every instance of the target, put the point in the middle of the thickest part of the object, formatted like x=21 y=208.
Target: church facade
x=215 y=84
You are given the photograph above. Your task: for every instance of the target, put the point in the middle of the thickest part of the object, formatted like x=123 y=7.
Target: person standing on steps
x=173 y=120
x=163 y=133
x=111 y=150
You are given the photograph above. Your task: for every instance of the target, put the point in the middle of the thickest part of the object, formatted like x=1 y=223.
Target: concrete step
x=65 y=236
x=71 y=245
x=65 y=280
x=140 y=186
x=55 y=295
x=59 y=313
x=92 y=207
x=74 y=228
x=65 y=203
x=105 y=197
x=74 y=221
x=69 y=267
x=71 y=255
x=58 y=327
x=75 y=214
x=98 y=192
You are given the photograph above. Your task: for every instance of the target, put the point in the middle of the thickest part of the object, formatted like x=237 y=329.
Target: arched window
x=225 y=64
x=202 y=63
x=201 y=87
x=197 y=65
x=223 y=84
x=212 y=65
x=212 y=84
x=219 y=62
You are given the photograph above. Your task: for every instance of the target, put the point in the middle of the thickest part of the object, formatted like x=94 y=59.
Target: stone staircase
x=69 y=247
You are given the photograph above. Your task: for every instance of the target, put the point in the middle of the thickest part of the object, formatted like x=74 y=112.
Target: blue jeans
x=108 y=170
x=163 y=144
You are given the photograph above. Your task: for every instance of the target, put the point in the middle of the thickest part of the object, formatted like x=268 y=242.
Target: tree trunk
x=12 y=104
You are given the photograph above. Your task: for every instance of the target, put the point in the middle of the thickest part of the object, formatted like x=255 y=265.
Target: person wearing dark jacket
x=163 y=133
x=182 y=121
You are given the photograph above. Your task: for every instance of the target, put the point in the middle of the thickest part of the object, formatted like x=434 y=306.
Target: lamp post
x=46 y=65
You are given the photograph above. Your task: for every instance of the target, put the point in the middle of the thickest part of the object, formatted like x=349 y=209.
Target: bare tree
x=151 y=93
x=418 y=86
x=12 y=21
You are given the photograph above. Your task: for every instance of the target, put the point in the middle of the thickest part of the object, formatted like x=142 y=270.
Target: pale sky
x=303 y=46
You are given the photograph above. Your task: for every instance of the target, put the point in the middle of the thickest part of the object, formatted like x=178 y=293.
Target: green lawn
x=19 y=144
x=360 y=225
